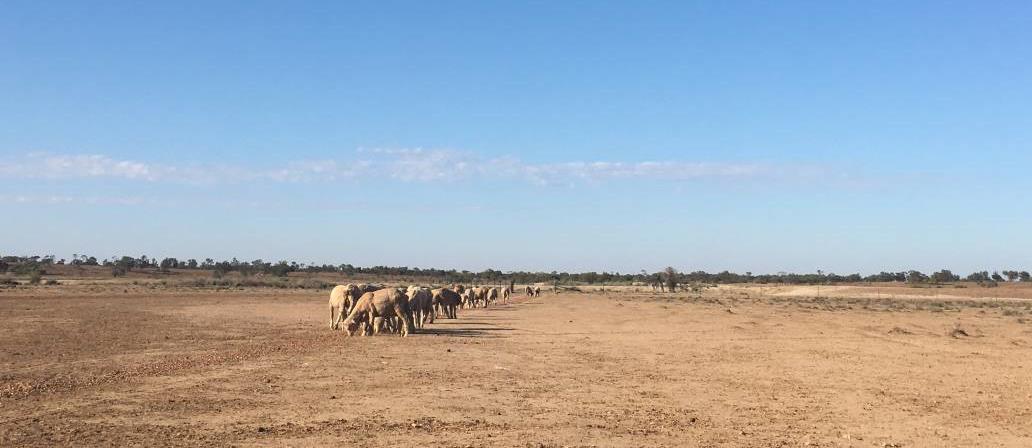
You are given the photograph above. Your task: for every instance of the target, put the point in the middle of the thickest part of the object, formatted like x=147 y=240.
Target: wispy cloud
x=59 y=199
x=55 y=166
x=412 y=165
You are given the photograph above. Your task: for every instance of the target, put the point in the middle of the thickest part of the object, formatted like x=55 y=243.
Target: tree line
x=668 y=278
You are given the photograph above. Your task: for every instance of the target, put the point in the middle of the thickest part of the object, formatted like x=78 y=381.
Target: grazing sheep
x=492 y=295
x=447 y=301
x=537 y=291
x=505 y=295
x=378 y=307
x=421 y=305
x=367 y=287
x=480 y=296
x=342 y=299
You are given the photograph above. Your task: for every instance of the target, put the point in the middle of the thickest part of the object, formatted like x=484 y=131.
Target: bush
x=52 y=282
x=35 y=277
x=311 y=283
x=28 y=268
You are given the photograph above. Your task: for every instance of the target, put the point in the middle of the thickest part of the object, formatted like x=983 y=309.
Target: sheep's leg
x=405 y=324
x=342 y=317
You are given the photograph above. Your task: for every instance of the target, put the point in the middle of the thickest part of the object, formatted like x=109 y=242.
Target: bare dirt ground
x=139 y=366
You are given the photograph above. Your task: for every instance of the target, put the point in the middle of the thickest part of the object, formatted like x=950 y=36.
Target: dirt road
x=248 y=368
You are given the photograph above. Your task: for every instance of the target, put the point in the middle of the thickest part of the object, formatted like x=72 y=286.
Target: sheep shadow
x=479 y=330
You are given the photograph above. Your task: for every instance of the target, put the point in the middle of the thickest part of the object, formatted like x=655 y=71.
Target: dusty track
x=243 y=368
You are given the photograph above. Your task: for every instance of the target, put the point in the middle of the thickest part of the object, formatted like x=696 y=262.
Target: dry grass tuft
x=959 y=331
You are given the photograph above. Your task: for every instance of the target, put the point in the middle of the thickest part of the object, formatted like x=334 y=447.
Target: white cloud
x=48 y=166
x=56 y=199
x=414 y=165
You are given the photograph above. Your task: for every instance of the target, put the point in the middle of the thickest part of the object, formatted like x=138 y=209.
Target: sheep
x=421 y=305
x=342 y=299
x=374 y=307
x=447 y=301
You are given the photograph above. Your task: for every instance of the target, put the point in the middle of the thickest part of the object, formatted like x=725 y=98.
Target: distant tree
x=886 y=277
x=944 y=276
x=191 y=264
x=169 y=263
x=281 y=269
x=670 y=278
x=1024 y=276
x=982 y=276
x=916 y=277
x=997 y=277
x=1011 y=275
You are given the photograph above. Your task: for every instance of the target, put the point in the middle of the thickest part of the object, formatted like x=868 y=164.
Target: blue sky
x=616 y=136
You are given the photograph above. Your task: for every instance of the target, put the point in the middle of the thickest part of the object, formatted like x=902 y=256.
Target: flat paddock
x=107 y=365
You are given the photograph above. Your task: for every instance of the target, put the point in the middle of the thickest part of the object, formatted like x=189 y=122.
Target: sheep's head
x=351 y=326
x=353 y=292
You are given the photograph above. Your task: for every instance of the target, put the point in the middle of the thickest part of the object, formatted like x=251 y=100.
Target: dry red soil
x=139 y=366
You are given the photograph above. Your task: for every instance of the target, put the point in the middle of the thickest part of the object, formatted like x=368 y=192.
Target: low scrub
x=308 y=283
